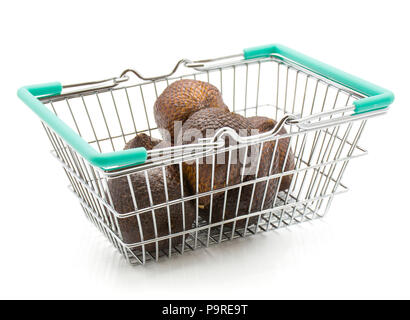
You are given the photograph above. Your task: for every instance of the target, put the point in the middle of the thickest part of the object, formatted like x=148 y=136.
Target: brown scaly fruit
x=180 y=100
x=123 y=202
x=264 y=124
x=200 y=125
x=259 y=194
x=142 y=140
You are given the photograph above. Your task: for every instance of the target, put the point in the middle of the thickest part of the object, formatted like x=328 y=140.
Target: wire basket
x=323 y=110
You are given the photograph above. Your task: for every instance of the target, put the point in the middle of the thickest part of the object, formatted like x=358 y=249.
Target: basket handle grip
x=378 y=98
x=29 y=95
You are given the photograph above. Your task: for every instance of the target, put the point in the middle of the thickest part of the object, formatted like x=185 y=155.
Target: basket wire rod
x=69 y=164
x=82 y=193
x=324 y=139
x=311 y=112
x=226 y=66
x=164 y=176
x=342 y=171
x=271 y=181
x=303 y=105
x=322 y=154
x=319 y=132
x=363 y=124
x=298 y=163
x=297 y=137
x=211 y=197
x=105 y=121
x=134 y=201
x=91 y=123
x=101 y=195
x=78 y=166
x=323 y=114
x=304 y=95
x=325 y=157
x=124 y=252
x=93 y=182
x=197 y=201
x=286 y=89
x=110 y=205
x=145 y=110
x=96 y=180
x=72 y=116
x=257 y=88
x=92 y=196
x=49 y=135
x=284 y=166
x=313 y=179
x=185 y=62
x=228 y=172
x=309 y=192
x=54 y=142
x=118 y=116
x=73 y=184
x=131 y=256
x=234 y=89
x=154 y=220
x=216 y=224
x=61 y=151
x=52 y=107
x=181 y=180
x=253 y=189
x=277 y=88
x=240 y=190
x=102 y=227
x=304 y=145
x=81 y=174
x=333 y=166
x=205 y=227
x=130 y=108
x=97 y=219
x=154 y=83
x=220 y=79
x=295 y=91
x=246 y=88
x=337 y=129
x=263 y=179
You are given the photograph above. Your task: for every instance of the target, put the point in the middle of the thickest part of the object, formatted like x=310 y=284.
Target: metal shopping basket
x=323 y=110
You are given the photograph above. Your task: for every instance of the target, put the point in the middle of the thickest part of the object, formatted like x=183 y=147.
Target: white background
x=49 y=250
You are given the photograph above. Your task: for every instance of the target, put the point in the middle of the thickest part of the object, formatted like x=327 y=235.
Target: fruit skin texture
x=264 y=124
x=200 y=125
x=180 y=100
x=263 y=196
x=142 y=140
x=123 y=202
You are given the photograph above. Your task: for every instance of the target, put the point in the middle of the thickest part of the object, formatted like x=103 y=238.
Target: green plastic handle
x=105 y=161
x=378 y=98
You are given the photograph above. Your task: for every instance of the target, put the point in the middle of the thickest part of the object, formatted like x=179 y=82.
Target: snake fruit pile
x=264 y=124
x=180 y=100
x=200 y=111
x=200 y=125
x=163 y=225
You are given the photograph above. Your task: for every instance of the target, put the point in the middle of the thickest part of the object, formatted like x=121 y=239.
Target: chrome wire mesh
x=108 y=118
